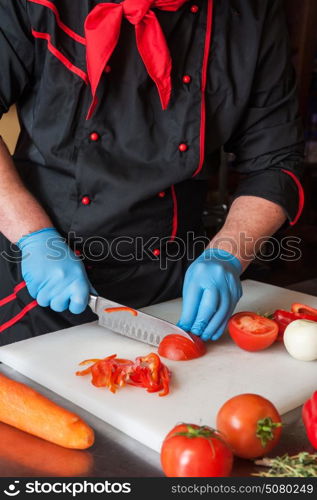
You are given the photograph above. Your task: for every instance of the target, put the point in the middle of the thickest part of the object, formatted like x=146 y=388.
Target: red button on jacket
x=183 y=147
x=194 y=9
x=85 y=200
x=94 y=136
x=187 y=79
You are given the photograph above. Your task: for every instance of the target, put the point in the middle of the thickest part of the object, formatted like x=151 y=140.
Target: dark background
x=302 y=22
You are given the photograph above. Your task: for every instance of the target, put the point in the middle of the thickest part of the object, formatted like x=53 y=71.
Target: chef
x=124 y=106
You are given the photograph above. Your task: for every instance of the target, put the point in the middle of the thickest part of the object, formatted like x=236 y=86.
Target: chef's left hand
x=211 y=291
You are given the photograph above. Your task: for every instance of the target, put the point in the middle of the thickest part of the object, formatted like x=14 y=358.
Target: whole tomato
x=193 y=451
x=250 y=424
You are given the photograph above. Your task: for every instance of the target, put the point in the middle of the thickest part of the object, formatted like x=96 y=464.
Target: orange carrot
x=29 y=411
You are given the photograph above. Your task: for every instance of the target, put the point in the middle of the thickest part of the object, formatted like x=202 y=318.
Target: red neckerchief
x=102 y=30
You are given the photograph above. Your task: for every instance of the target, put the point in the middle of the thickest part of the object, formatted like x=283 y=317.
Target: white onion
x=300 y=339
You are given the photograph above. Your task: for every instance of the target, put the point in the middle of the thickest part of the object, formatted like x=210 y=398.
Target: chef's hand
x=53 y=274
x=211 y=291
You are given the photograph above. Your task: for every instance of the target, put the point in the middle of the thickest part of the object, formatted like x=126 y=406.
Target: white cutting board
x=199 y=387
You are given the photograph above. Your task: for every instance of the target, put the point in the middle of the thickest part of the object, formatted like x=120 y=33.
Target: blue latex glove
x=211 y=291
x=53 y=274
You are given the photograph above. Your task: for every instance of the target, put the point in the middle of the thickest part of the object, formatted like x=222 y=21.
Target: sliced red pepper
x=154 y=364
x=89 y=361
x=309 y=414
x=94 y=360
x=165 y=377
x=117 y=309
x=284 y=318
x=101 y=375
x=303 y=309
x=112 y=372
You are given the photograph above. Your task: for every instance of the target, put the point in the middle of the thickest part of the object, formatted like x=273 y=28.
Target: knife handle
x=93 y=302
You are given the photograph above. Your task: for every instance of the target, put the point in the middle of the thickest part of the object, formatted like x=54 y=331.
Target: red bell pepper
x=309 y=414
x=112 y=372
x=284 y=318
x=121 y=308
x=303 y=309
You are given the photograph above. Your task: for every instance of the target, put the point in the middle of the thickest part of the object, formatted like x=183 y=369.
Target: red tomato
x=251 y=331
x=178 y=348
x=193 y=451
x=250 y=424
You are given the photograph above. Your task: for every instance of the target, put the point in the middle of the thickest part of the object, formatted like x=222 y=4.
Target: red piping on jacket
x=60 y=23
x=13 y=295
x=203 y=86
x=23 y=311
x=301 y=195
x=175 y=215
x=18 y=316
x=60 y=56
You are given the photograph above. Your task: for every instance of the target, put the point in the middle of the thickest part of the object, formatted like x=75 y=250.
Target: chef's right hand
x=53 y=274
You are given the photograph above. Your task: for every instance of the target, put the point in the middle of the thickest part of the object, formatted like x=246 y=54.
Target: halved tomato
x=178 y=348
x=251 y=331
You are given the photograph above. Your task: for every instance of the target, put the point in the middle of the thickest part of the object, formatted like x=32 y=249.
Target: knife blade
x=142 y=327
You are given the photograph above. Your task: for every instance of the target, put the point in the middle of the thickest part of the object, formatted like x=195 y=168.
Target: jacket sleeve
x=269 y=146
x=16 y=52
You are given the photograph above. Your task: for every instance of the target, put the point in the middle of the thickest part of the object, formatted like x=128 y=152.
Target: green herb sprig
x=302 y=465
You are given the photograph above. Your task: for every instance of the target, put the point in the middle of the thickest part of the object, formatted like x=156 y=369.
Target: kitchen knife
x=142 y=327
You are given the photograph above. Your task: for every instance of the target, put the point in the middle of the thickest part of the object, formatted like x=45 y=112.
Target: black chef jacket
x=135 y=170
